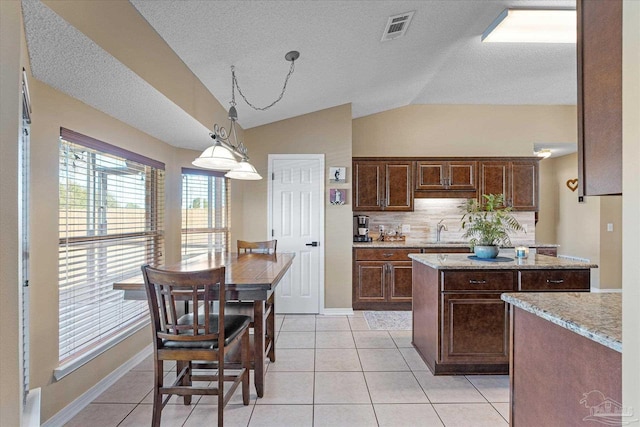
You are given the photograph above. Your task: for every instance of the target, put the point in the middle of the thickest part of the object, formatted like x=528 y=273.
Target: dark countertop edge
x=600 y=337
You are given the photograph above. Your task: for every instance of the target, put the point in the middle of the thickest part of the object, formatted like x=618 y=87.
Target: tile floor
x=330 y=371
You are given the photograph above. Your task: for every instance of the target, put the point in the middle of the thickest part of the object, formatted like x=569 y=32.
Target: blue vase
x=486 y=251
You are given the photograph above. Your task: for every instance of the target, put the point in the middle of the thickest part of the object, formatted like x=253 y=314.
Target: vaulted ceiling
x=440 y=59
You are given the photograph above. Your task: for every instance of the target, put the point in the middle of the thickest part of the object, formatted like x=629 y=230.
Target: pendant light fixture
x=226 y=150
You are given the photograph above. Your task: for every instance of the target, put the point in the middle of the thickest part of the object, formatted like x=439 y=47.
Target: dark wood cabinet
x=599 y=55
x=382 y=278
x=446 y=178
x=382 y=185
x=476 y=327
x=516 y=179
x=460 y=323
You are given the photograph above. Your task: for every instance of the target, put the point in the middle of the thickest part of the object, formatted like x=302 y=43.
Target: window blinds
x=205 y=212
x=111 y=220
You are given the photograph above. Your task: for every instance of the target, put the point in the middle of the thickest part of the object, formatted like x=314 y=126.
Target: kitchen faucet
x=439 y=229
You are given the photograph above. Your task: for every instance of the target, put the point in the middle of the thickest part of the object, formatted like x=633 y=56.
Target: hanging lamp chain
x=236 y=85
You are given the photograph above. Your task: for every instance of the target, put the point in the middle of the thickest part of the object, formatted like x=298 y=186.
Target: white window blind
x=205 y=212
x=111 y=220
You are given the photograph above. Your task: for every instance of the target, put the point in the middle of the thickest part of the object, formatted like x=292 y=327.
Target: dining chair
x=201 y=336
x=266 y=247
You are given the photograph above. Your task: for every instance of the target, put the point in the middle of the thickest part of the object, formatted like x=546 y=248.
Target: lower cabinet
x=476 y=327
x=460 y=324
x=382 y=279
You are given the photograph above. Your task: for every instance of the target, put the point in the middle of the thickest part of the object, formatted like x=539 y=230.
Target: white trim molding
x=72 y=409
x=337 y=311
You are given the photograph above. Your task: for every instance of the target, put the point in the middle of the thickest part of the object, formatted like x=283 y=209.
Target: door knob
x=311 y=244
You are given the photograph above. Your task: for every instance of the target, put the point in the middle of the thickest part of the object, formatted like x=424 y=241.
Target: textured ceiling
x=440 y=60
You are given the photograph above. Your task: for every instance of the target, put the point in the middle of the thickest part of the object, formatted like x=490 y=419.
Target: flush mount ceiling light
x=532 y=26
x=544 y=153
x=223 y=155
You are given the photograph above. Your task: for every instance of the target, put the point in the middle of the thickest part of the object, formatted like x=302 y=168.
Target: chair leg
x=246 y=364
x=158 y=374
x=221 y=387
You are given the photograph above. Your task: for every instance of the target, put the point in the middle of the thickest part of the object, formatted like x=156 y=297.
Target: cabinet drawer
x=478 y=280
x=554 y=280
x=391 y=254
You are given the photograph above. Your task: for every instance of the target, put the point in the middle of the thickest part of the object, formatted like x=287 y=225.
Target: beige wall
x=578 y=224
x=611 y=242
x=471 y=130
x=631 y=205
x=325 y=132
x=11 y=59
x=53 y=110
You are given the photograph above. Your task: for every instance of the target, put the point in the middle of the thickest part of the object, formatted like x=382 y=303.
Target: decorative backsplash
x=428 y=212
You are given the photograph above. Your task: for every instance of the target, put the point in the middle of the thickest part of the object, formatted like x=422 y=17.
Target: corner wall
x=11 y=40
x=325 y=132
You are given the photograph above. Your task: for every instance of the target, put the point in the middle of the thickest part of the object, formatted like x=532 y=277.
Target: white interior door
x=297 y=222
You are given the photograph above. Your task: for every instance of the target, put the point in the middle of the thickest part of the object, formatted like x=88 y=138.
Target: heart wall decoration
x=572 y=184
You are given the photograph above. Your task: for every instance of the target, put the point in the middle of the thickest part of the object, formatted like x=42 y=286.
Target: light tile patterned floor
x=330 y=371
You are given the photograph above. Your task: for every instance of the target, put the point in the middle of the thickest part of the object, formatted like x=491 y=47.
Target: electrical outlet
x=524 y=227
x=406 y=228
x=610 y=226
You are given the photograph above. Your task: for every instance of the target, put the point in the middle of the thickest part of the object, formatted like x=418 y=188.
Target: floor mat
x=389 y=320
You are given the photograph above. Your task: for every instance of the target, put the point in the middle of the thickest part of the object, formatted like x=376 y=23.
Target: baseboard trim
x=337 y=311
x=71 y=410
x=606 y=290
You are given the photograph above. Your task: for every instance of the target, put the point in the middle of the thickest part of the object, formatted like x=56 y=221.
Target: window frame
x=152 y=231
x=212 y=205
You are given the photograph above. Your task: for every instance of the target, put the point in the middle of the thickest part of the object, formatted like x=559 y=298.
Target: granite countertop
x=533 y=262
x=597 y=316
x=430 y=244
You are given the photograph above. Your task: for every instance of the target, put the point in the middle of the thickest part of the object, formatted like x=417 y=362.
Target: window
x=111 y=222
x=205 y=212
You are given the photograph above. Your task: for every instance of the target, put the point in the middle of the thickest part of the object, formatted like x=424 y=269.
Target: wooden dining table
x=250 y=278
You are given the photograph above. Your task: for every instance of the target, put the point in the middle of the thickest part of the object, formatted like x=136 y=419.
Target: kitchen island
x=460 y=322
x=566 y=356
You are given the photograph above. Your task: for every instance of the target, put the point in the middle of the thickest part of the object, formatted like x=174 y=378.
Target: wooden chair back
x=266 y=247
x=167 y=291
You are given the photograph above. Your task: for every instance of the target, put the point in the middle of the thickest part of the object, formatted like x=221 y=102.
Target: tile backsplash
x=428 y=212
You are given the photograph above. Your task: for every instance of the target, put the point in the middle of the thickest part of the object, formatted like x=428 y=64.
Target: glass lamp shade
x=244 y=170
x=216 y=157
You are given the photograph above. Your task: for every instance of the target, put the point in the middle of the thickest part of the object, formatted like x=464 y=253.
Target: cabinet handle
x=387 y=255
x=477 y=282
x=555 y=282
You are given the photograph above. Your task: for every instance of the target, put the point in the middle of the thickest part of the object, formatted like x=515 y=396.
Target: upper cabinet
x=446 y=178
x=516 y=179
x=388 y=184
x=382 y=185
x=599 y=97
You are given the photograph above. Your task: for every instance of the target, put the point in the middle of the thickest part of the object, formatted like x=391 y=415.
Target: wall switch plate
x=406 y=228
x=610 y=226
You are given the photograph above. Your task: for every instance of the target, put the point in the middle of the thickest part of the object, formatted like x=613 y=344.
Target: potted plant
x=487 y=224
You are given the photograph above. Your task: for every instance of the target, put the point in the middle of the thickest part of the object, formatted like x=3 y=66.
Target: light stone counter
x=597 y=316
x=430 y=244
x=533 y=262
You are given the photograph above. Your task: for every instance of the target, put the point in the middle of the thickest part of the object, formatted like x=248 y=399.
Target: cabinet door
x=430 y=175
x=371 y=281
x=599 y=58
x=475 y=329
x=399 y=281
x=494 y=179
x=368 y=181
x=524 y=185
x=399 y=187
x=461 y=175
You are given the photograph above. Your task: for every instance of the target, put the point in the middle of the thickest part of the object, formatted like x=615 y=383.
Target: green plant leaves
x=488 y=223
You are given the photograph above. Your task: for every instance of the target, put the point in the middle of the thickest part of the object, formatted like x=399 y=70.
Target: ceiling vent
x=396 y=26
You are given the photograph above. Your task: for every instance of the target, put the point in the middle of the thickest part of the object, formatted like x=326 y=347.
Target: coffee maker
x=361 y=228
